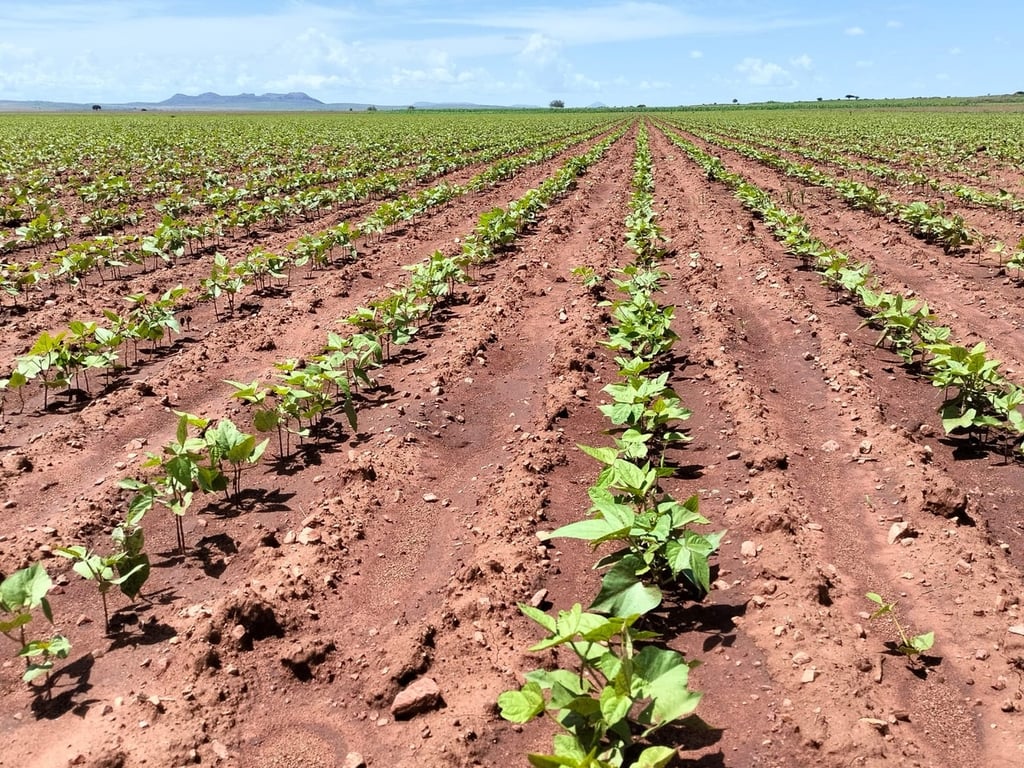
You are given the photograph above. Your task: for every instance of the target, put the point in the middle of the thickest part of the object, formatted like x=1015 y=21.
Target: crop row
x=622 y=687
x=922 y=219
x=207 y=456
x=56 y=360
x=235 y=212
x=978 y=399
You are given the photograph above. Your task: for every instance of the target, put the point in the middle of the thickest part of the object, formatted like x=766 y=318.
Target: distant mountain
x=242 y=102
x=214 y=101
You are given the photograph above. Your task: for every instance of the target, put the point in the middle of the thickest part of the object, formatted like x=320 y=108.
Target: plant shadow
x=49 y=706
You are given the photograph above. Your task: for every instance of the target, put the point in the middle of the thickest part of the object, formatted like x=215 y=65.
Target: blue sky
x=582 y=51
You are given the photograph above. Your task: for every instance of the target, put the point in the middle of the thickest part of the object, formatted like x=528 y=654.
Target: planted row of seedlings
x=925 y=220
x=175 y=237
x=977 y=399
x=63 y=359
x=1003 y=199
x=207 y=456
x=622 y=686
x=271 y=190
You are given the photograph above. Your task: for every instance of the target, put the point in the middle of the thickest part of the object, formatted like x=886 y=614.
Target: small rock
x=420 y=696
x=308 y=536
x=354 y=760
x=1017 y=629
x=981 y=654
x=809 y=675
x=897 y=531
x=582 y=394
x=562 y=317
x=800 y=658
x=865 y=447
x=219 y=749
x=732 y=455
x=858 y=631
x=430 y=498
x=830 y=446
x=538 y=598
x=879 y=725
x=748 y=549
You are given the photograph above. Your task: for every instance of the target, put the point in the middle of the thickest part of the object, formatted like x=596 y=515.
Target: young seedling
x=909 y=646
x=612 y=702
x=105 y=570
x=21 y=594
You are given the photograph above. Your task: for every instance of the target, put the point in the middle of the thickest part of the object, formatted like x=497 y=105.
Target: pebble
x=430 y=498
x=809 y=675
x=420 y=696
x=897 y=531
x=830 y=446
x=733 y=455
x=748 y=549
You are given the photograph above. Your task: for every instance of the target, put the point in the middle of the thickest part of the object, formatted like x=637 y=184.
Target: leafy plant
x=910 y=646
x=185 y=468
x=612 y=702
x=21 y=594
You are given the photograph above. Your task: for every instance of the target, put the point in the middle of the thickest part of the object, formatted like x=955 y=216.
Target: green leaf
x=604 y=455
x=655 y=757
x=26 y=588
x=615 y=706
x=921 y=643
x=623 y=593
x=523 y=705
x=662 y=675
x=538 y=616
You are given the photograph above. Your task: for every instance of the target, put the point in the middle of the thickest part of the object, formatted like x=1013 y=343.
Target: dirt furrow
x=823 y=521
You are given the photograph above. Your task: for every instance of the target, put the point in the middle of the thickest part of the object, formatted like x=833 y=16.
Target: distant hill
x=242 y=102
x=250 y=101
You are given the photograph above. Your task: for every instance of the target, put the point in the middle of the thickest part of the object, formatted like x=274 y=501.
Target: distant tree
x=371 y=108
x=851 y=96
x=735 y=101
x=410 y=107
x=820 y=99
x=557 y=104
x=96 y=107
x=641 y=106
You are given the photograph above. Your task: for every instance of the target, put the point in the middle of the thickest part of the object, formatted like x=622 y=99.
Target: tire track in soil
x=343 y=502
x=762 y=364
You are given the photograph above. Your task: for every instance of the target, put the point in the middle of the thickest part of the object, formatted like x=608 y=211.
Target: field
x=312 y=391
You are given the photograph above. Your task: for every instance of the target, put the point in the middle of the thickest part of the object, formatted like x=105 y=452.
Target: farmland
x=330 y=409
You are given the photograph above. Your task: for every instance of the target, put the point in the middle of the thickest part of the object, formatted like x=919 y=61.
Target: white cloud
x=541 y=50
x=760 y=72
x=893 y=24
x=696 y=54
x=626 y=20
x=854 y=31
x=864 y=63
x=955 y=51
x=803 y=61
